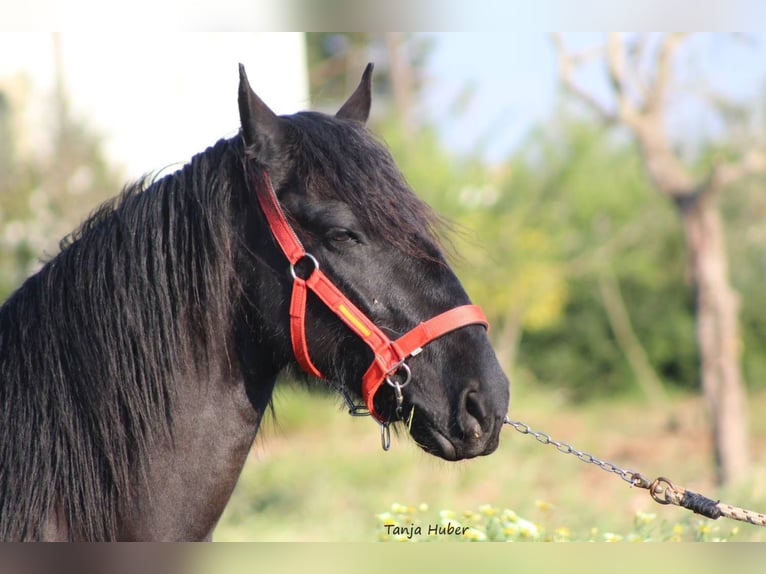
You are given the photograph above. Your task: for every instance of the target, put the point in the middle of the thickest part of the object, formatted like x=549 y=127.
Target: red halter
x=389 y=356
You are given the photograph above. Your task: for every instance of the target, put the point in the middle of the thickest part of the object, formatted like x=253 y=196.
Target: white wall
x=157 y=99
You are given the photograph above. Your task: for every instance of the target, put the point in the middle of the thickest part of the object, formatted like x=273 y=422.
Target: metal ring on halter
x=358 y=411
x=407 y=375
x=385 y=436
x=308 y=256
x=398 y=394
x=354 y=409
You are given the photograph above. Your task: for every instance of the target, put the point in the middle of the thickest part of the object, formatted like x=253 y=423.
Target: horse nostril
x=474 y=412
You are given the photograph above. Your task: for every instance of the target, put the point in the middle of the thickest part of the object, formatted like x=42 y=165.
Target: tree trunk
x=506 y=339
x=716 y=301
x=628 y=341
x=718 y=337
x=641 y=105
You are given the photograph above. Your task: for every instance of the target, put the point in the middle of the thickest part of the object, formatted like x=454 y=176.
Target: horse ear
x=261 y=128
x=357 y=107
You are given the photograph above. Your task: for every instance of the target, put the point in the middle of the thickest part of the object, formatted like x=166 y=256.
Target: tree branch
x=628 y=341
x=725 y=174
x=655 y=95
x=615 y=64
x=635 y=51
x=566 y=63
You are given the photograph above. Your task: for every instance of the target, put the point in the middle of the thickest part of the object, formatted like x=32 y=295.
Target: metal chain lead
x=661 y=489
x=629 y=476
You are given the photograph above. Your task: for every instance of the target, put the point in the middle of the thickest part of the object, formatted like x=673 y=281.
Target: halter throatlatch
x=389 y=356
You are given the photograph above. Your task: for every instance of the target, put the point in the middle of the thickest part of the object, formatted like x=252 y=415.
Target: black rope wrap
x=700 y=504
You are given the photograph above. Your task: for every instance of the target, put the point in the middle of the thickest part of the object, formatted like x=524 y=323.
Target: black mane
x=89 y=343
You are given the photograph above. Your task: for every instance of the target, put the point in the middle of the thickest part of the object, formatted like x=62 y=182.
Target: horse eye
x=339 y=235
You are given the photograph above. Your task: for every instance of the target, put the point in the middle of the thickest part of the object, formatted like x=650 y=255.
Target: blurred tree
x=559 y=192
x=640 y=73
x=45 y=194
x=336 y=61
x=6 y=140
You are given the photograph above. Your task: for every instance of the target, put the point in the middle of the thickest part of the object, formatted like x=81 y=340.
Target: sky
x=515 y=83
x=157 y=99
x=512 y=83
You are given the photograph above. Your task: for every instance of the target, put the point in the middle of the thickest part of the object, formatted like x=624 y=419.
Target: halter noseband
x=389 y=356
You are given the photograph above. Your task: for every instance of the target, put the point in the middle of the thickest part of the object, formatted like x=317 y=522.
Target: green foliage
x=743 y=209
x=599 y=212
x=43 y=197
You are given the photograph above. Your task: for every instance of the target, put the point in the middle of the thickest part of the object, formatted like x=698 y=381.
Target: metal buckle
x=311 y=258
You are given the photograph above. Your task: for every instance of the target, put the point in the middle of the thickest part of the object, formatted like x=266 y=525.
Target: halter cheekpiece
x=389 y=362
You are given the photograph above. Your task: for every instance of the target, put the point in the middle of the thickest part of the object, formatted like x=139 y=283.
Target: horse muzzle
x=472 y=430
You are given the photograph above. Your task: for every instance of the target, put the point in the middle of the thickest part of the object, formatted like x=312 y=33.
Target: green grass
x=319 y=475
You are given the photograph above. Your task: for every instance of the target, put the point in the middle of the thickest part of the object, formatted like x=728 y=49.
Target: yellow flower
x=471 y=515
x=644 y=517
x=510 y=515
x=488 y=510
x=528 y=529
x=386 y=518
x=543 y=505
x=475 y=535
x=398 y=508
x=563 y=532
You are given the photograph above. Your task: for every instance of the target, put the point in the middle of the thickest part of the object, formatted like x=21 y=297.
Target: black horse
x=136 y=365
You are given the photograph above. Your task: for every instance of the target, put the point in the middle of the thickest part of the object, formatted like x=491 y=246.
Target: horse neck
x=190 y=477
x=215 y=416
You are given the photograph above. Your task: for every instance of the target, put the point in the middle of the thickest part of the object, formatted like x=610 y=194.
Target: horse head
x=351 y=210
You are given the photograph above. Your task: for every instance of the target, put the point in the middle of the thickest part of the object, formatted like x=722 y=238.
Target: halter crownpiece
x=388 y=356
